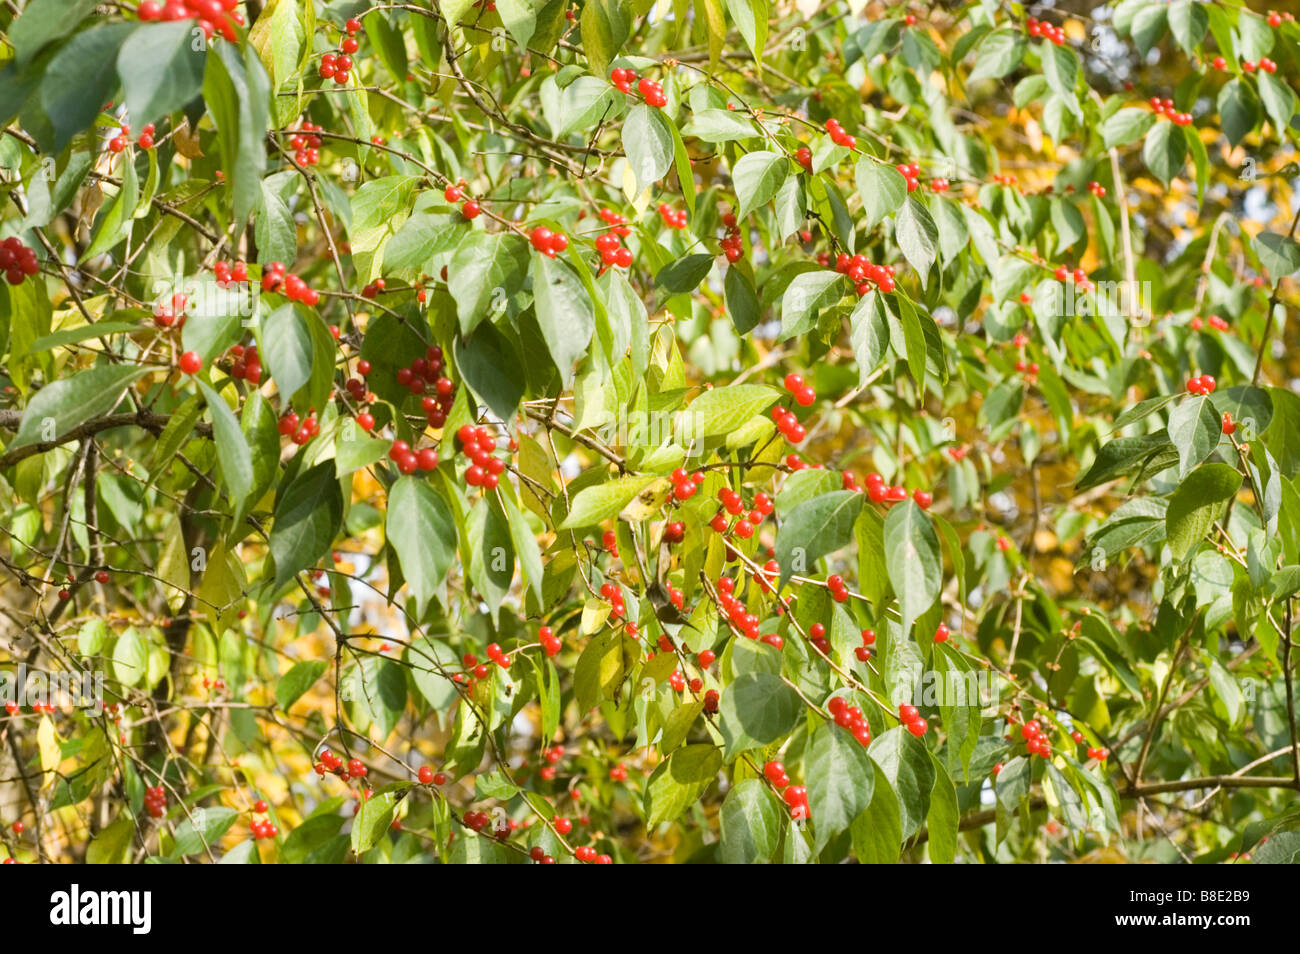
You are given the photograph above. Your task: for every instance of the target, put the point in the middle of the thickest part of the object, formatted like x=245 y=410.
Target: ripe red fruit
x=101 y=576
x=190 y=362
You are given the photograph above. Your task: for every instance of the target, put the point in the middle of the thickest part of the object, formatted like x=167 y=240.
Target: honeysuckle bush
x=583 y=432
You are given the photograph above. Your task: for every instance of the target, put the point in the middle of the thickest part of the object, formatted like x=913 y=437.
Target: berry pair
x=839 y=136
x=912 y=720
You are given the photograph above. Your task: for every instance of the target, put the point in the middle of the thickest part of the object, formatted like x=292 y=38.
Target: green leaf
x=756 y=710
x=1149 y=26
x=882 y=189
x=68 y=402
x=743 y=305
x=679 y=781
x=161 y=70
x=421 y=529
x=1279 y=254
x=77 y=82
x=878 y=832
x=130 y=659
x=519 y=18
x=202 y=830
x=913 y=558
x=233 y=453
x=112 y=846
x=1165 y=151
x=869 y=332
x=1146 y=453
x=484 y=273
x=307 y=518
x=751 y=820
x=293 y=685
x=1126 y=125
x=236 y=91
x=1194 y=427
x=1197 y=504
x=999 y=53
x=722 y=410
x=374 y=820
x=685 y=274
x=758 y=177
x=287 y=345
x=840 y=781
x=648 y=144
x=806 y=295
x=815 y=528
x=943 y=817
x=565 y=313
x=1061 y=70
x=905 y=763
x=917 y=235
x=719 y=125
x=604 y=26
x=1188 y=22
x=1238 y=110
x=1279 y=101
x=595 y=505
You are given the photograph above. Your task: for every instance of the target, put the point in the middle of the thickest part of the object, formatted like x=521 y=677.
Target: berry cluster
x=428 y=776
x=652 y=92
x=227 y=273
x=613 y=594
x=622 y=79
x=1055 y=34
x=485 y=469
x=17 y=260
x=674 y=532
x=912 y=720
x=1214 y=322
x=731 y=244
x=289 y=285
x=684 y=484
x=1097 y=189
x=1265 y=64
x=171 y=312
x=612 y=251
x=1036 y=739
x=155 y=800
x=865 y=274
x=912 y=173
x=213 y=15
x=839 y=136
x=863 y=652
x=1165 y=107
x=940 y=184
x=498 y=656
x=373 y=289
x=851 y=718
x=1205 y=384
x=740 y=618
x=1275 y=19
x=775 y=773
x=305 y=143
x=408 y=461
x=673 y=218
x=262 y=828
x=329 y=762
x=1078 y=276
x=547 y=242
x=734 y=505
x=338 y=66
x=1100 y=754
x=299 y=431
x=796 y=797
x=470 y=208
x=551 y=643
x=803 y=156
x=839 y=590
x=246 y=364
